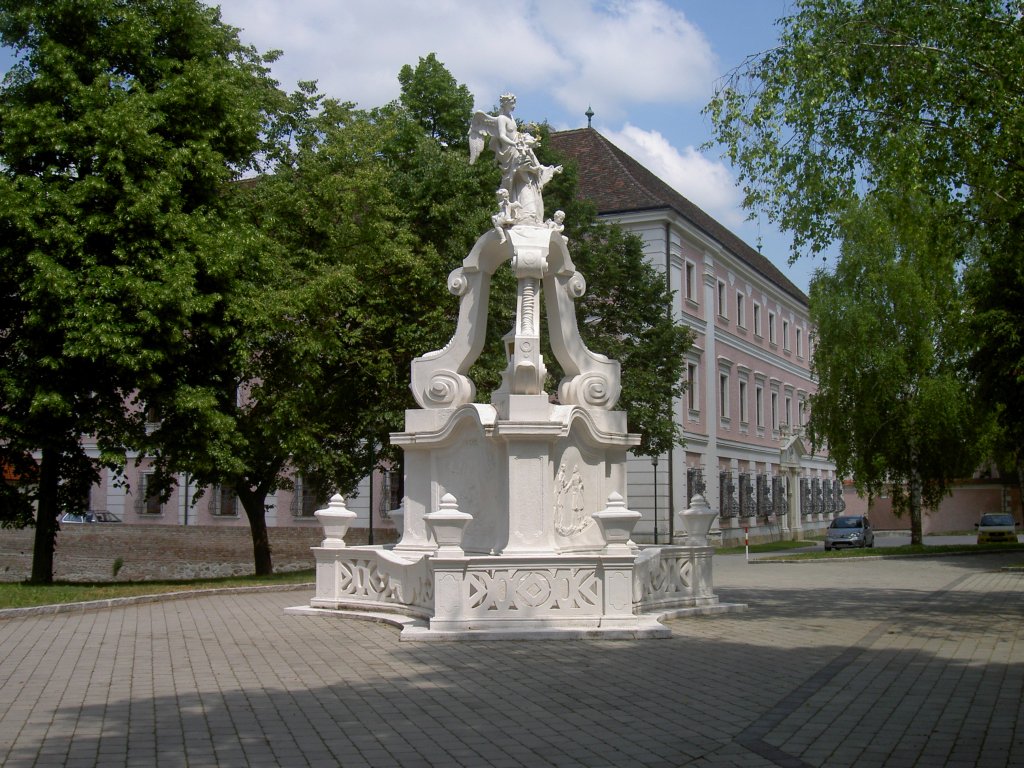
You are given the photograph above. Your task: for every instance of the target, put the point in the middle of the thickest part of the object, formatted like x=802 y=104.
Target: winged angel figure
x=522 y=175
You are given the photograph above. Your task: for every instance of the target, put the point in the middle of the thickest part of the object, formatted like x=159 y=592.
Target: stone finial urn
x=616 y=523
x=448 y=525
x=697 y=521
x=335 y=518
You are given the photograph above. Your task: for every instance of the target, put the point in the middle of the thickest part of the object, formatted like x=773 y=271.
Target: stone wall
x=88 y=552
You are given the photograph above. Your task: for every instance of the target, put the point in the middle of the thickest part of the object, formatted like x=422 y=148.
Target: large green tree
x=893 y=403
x=339 y=293
x=908 y=99
x=865 y=94
x=120 y=123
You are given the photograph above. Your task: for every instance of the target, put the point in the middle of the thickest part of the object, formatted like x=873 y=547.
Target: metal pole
x=654 y=461
x=369 y=514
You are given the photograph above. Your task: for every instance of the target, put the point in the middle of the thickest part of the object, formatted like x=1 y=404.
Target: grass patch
x=21 y=595
x=768 y=546
x=909 y=549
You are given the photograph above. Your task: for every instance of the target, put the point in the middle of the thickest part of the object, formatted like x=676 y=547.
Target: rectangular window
x=789 y=410
x=223 y=501
x=759 y=405
x=306 y=500
x=802 y=412
x=723 y=384
x=743 y=401
x=691 y=281
x=691 y=390
x=722 y=301
x=775 y=410
x=391 y=491
x=771 y=328
x=741 y=314
x=149 y=502
x=799 y=343
x=785 y=335
x=757 y=319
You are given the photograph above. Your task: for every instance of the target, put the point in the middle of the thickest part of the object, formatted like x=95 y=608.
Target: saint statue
x=522 y=175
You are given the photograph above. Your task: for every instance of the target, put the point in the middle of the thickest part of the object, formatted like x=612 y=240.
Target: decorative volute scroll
x=539 y=256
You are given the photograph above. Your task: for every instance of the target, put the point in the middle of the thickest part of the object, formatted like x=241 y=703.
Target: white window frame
x=693 y=388
x=690 y=278
x=723 y=395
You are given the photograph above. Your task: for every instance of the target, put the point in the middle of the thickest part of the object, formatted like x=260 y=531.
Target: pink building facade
x=748 y=370
x=133 y=500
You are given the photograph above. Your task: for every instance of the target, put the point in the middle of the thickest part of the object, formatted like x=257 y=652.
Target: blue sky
x=646 y=68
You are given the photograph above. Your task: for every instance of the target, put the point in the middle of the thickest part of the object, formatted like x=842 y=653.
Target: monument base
x=578 y=596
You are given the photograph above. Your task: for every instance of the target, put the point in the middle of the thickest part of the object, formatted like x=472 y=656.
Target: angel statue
x=522 y=175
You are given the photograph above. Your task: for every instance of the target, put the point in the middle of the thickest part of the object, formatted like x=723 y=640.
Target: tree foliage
x=119 y=125
x=883 y=94
x=349 y=242
x=893 y=404
x=923 y=101
x=436 y=100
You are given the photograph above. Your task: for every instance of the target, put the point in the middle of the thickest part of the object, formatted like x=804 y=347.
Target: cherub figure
x=508 y=210
x=557 y=222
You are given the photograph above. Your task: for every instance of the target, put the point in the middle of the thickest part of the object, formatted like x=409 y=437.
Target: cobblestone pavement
x=915 y=662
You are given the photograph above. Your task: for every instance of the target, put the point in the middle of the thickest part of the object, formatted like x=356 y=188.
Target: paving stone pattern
x=870 y=663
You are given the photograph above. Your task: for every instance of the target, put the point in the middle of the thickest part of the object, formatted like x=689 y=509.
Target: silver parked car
x=849 y=531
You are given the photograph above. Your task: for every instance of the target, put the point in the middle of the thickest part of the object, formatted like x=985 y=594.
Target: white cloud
x=707 y=183
x=629 y=52
x=612 y=52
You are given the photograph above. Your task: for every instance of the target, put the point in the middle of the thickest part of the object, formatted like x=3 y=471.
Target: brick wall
x=88 y=552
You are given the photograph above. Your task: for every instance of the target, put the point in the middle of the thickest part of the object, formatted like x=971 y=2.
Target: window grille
x=727 y=494
x=694 y=483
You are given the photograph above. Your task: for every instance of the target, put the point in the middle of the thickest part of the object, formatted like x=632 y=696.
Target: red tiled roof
x=616 y=183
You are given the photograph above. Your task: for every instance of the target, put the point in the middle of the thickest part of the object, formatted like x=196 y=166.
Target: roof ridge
x=650 y=191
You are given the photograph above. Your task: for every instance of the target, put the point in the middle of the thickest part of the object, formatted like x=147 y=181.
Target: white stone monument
x=515 y=521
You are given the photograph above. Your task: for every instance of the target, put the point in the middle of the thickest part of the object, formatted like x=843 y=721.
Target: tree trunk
x=46 y=518
x=915 y=508
x=255 y=507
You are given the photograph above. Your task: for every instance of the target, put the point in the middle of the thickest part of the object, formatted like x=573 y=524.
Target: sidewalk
x=895 y=663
